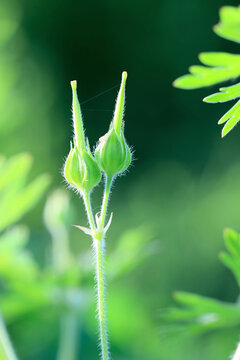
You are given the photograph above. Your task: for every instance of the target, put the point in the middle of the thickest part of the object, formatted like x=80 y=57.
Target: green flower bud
x=77 y=118
x=81 y=169
x=112 y=153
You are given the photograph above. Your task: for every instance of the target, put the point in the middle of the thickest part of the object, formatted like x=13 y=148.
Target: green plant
x=83 y=172
x=6 y=350
x=200 y=314
x=63 y=286
x=17 y=198
x=70 y=276
x=219 y=67
x=237 y=353
x=197 y=314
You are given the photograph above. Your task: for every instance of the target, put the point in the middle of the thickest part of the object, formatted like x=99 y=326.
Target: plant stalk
x=236 y=356
x=99 y=251
x=107 y=190
x=88 y=207
x=68 y=337
x=6 y=349
x=98 y=245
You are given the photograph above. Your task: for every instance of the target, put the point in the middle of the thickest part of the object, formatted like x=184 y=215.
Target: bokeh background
x=170 y=209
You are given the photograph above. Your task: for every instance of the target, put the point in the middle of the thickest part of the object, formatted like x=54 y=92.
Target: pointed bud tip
x=124 y=76
x=74 y=84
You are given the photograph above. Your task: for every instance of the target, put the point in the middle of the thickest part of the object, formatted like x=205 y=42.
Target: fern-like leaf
x=229 y=25
x=231 y=259
x=219 y=67
x=198 y=314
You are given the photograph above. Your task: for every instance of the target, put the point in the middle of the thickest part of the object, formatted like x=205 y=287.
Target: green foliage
x=228 y=28
x=219 y=67
x=133 y=247
x=18 y=270
x=197 y=313
x=6 y=351
x=17 y=197
x=63 y=286
x=16 y=263
x=232 y=258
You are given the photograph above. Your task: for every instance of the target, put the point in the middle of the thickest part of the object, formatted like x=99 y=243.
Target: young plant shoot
x=83 y=171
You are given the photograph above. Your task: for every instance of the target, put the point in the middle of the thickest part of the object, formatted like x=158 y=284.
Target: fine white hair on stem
x=81 y=158
x=99 y=256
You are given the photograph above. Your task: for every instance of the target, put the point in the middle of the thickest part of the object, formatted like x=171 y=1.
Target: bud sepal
x=81 y=170
x=98 y=233
x=112 y=153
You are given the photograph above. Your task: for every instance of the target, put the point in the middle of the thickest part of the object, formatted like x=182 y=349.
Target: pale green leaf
x=13 y=172
x=197 y=314
x=219 y=67
x=231 y=122
x=16 y=198
x=223 y=67
x=225 y=94
x=232 y=242
x=134 y=246
x=232 y=258
x=16 y=263
x=232 y=264
x=219 y=59
x=229 y=25
x=229 y=113
x=14 y=206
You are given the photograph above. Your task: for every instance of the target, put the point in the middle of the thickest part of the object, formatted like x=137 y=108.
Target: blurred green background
x=170 y=209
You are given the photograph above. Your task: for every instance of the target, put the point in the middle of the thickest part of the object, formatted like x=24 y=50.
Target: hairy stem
x=6 y=349
x=99 y=250
x=99 y=253
x=88 y=207
x=68 y=337
x=108 y=184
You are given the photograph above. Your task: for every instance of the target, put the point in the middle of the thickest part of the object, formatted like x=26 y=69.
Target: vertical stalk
x=88 y=207
x=68 y=344
x=108 y=184
x=6 y=349
x=99 y=250
x=98 y=245
x=236 y=356
x=68 y=337
x=61 y=256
